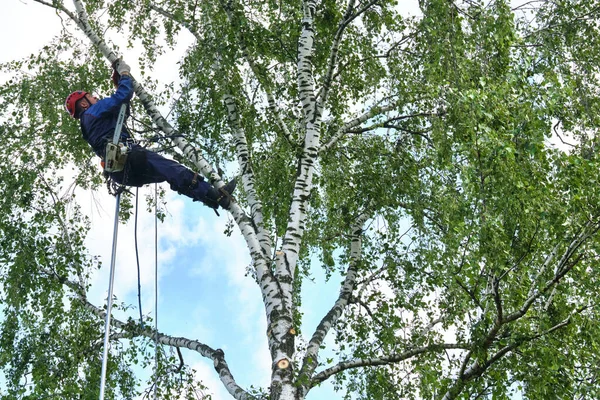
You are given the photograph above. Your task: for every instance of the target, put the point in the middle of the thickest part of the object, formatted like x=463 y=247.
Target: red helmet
x=72 y=99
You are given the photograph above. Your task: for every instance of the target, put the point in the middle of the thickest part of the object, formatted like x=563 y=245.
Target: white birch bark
x=282 y=341
x=244 y=160
x=271 y=100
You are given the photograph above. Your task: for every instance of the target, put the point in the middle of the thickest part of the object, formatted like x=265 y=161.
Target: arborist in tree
x=98 y=121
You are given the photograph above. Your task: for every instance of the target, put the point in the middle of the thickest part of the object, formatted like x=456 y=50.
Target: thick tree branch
x=391 y=359
x=310 y=360
x=306 y=85
x=217 y=356
x=497 y=299
x=282 y=348
x=132 y=330
x=244 y=160
x=258 y=240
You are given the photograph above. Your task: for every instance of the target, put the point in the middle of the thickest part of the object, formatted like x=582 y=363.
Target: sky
x=204 y=293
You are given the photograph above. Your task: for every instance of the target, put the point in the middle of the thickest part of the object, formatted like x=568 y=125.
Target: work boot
x=220 y=197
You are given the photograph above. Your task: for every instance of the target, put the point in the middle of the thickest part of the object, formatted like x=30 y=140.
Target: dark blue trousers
x=144 y=166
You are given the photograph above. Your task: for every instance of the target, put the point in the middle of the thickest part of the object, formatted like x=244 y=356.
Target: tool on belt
x=116 y=152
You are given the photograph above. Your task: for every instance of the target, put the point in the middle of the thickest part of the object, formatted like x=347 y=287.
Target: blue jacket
x=99 y=121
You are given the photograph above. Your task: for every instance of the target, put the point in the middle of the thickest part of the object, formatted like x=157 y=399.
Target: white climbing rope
x=112 y=265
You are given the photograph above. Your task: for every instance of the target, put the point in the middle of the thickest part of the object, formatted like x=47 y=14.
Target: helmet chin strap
x=84 y=103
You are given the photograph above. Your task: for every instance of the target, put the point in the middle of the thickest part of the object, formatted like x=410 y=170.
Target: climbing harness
x=114 y=188
x=112 y=265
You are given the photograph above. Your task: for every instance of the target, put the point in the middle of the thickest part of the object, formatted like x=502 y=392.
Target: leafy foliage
x=476 y=276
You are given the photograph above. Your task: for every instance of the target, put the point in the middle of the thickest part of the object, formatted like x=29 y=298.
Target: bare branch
x=527 y=4
x=497 y=299
x=59 y=7
x=391 y=359
x=372 y=112
x=131 y=330
x=562 y=268
x=389 y=125
x=555 y=129
x=368 y=310
x=471 y=293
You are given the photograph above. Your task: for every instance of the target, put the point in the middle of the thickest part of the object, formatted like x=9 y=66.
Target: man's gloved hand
x=119 y=67
x=122 y=67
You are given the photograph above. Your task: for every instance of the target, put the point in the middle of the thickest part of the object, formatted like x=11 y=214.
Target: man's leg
x=181 y=179
x=149 y=167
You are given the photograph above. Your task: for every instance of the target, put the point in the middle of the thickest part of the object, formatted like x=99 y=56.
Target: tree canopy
x=445 y=165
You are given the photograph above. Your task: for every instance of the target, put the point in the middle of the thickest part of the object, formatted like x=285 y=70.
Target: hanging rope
x=155 y=279
x=113 y=258
x=110 y=298
x=137 y=258
x=155 y=289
